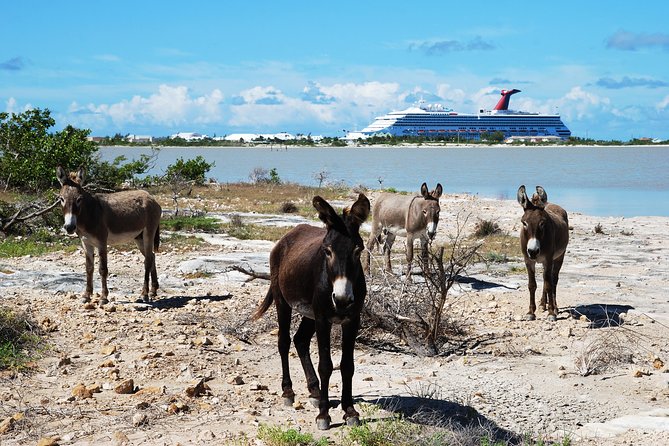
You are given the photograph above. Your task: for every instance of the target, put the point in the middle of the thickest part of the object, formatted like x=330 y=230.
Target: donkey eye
x=62 y=199
x=424 y=211
x=524 y=224
x=357 y=251
x=328 y=251
x=79 y=198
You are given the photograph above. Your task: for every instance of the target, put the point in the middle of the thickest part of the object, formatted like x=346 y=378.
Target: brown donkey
x=543 y=238
x=394 y=214
x=105 y=219
x=317 y=272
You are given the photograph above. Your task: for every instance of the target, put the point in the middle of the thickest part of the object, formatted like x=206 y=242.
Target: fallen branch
x=250 y=272
x=16 y=218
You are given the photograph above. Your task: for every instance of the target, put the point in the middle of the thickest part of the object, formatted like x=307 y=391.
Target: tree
x=29 y=153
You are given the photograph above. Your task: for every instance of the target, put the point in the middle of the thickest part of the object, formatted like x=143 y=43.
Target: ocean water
x=600 y=181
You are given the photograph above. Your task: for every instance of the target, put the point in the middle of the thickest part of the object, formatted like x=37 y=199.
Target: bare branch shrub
x=607 y=349
x=416 y=311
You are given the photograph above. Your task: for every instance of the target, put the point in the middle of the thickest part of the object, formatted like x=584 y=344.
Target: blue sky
x=221 y=67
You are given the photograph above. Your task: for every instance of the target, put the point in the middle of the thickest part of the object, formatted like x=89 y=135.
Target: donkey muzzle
x=70 y=223
x=533 y=248
x=342 y=294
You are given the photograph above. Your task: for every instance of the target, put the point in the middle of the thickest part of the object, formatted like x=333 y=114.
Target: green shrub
x=276 y=436
x=19 y=340
x=194 y=170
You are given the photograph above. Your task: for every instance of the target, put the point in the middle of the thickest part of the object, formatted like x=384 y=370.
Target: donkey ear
x=424 y=191
x=522 y=197
x=61 y=175
x=359 y=211
x=81 y=175
x=539 y=199
x=326 y=212
x=436 y=193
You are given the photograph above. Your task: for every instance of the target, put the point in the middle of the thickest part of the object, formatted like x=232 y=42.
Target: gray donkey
x=415 y=217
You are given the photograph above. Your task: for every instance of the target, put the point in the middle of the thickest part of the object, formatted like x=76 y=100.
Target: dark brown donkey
x=543 y=238
x=415 y=217
x=113 y=218
x=317 y=272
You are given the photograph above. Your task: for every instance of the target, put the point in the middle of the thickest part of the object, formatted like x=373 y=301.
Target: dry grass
x=247 y=197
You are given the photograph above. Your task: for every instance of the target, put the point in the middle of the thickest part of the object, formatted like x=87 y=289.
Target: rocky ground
x=192 y=369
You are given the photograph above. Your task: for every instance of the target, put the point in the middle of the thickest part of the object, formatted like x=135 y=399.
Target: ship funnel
x=503 y=103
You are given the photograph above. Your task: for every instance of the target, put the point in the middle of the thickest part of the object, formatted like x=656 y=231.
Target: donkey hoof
x=288 y=401
x=551 y=318
x=530 y=317
x=103 y=301
x=85 y=299
x=323 y=423
x=353 y=421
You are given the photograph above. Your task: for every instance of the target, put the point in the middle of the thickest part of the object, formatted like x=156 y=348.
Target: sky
x=323 y=68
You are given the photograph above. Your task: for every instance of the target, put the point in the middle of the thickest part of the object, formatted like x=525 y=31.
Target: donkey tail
x=156 y=240
x=264 y=306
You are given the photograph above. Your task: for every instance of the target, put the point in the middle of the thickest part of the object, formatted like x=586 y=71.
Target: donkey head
x=342 y=246
x=535 y=219
x=430 y=209
x=71 y=196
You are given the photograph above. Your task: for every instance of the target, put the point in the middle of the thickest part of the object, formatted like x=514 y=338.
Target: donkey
x=543 y=238
x=105 y=219
x=317 y=272
x=395 y=214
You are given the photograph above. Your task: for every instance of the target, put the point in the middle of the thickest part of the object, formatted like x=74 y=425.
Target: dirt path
x=525 y=378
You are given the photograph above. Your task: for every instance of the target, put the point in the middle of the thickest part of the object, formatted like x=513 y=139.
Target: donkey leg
x=532 y=286
x=387 y=248
x=284 y=313
x=89 y=251
x=409 y=257
x=555 y=274
x=549 y=291
x=347 y=366
x=323 y=332
x=302 y=340
x=367 y=257
x=104 y=272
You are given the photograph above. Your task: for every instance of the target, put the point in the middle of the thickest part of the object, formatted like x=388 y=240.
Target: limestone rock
x=125 y=387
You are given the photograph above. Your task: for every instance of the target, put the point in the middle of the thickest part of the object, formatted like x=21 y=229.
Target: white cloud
x=664 y=103
x=170 y=106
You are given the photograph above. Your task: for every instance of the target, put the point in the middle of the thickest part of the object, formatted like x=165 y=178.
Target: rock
x=126 y=387
x=107 y=363
x=658 y=363
x=64 y=361
x=139 y=419
x=94 y=388
x=48 y=441
x=255 y=385
x=151 y=391
x=297 y=405
x=176 y=407
x=80 y=392
x=236 y=380
x=198 y=389
x=108 y=350
x=7 y=425
x=203 y=340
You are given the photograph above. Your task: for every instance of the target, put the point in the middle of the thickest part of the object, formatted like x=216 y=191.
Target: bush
x=194 y=170
x=18 y=339
x=288 y=208
x=485 y=228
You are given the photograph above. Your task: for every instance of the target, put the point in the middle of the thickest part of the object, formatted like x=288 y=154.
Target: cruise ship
x=434 y=121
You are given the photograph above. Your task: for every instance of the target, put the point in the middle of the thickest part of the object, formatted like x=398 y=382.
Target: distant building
x=139 y=139
x=96 y=139
x=189 y=136
x=532 y=139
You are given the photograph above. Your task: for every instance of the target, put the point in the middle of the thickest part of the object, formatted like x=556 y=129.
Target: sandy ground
x=524 y=379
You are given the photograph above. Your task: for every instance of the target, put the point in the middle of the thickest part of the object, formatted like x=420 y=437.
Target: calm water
x=605 y=181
